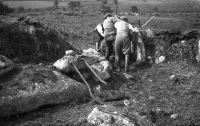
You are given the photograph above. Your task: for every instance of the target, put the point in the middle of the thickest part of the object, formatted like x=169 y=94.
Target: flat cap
x=124 y=18
x=107 y=15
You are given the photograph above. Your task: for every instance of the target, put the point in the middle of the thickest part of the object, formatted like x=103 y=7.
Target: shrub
x=4 y=9
x=74 y=4
x=134 y=9
x=105 y=9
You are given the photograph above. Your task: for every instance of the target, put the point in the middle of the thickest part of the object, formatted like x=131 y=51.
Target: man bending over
x=122 y=43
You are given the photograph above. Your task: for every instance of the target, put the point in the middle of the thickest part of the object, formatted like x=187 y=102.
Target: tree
x=4 y=9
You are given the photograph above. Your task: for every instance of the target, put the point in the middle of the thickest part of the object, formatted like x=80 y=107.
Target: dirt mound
x=26 y=40
x=29 y=87
x=174 y=45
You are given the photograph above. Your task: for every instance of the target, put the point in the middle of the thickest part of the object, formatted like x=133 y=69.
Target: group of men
x=116 y=32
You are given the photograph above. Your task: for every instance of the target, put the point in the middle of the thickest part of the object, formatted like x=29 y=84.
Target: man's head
x=107 y=15
x=124 y=18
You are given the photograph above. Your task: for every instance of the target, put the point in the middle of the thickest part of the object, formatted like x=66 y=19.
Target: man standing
x=109 y=33
x=122 y=42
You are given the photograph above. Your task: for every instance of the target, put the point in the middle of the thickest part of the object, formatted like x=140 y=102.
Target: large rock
x=35 y=86
x=100 y=65
x=103 y=69
x=115 y=116
x=65 y=63
x=100 y=118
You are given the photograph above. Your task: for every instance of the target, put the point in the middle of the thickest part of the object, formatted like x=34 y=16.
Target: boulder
x=160 y=59
x=101 y=118
x=100 y=65
x=70 y=53
x=103 y=69
x=65 y=63
x=31 y=87
x=115 y=116
x=90 y=52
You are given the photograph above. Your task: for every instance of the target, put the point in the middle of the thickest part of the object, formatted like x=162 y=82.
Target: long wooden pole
x=147 y=21
x=96 y=75
x=87 y=84
x=116 y=9
x=116 y=6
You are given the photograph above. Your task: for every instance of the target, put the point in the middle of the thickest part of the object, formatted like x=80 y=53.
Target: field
x=152 y=88
x=32 y=4
x=169 y=15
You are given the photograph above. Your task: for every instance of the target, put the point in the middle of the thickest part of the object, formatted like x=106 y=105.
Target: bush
x=4 y=9
x=74 y=4
x=105 y=9
x=134 y=9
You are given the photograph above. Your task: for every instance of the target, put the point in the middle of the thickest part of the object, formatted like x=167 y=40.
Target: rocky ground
x=165 y=94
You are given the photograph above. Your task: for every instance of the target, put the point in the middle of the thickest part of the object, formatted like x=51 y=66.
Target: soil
x=167 y=94
x=26 y=40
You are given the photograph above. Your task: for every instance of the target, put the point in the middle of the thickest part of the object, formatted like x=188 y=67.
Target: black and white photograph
x=99 y=62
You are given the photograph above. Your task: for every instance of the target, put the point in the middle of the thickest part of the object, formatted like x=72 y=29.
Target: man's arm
x=133 y=29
